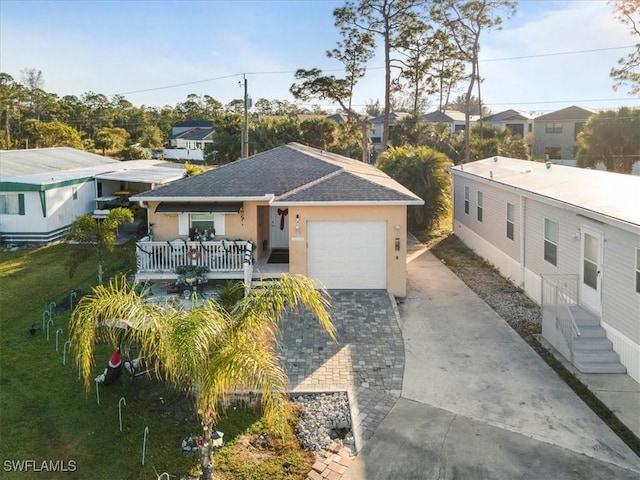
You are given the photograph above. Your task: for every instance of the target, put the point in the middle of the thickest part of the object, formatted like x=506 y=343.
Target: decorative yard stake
x=64 y=351
x=144 y=443
x=45 y=314
x=52 y=305
x=58 y=332
x=49 y=323
x=120 y=403
x=72 y=296
x=97 y=393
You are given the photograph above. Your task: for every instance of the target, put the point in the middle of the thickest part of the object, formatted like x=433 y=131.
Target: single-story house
x=378 y=125
x=42 y=191
x=453 y=118
x=512 y=120
x=332 y=218
x=570 y=238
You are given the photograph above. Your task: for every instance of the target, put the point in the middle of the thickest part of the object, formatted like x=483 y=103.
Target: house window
x=637 y=270
x=516 y=128
x=553 y=153
x=479 y=206
x=553 y=127
x=12 y=204
x=205 y=225
x=551 y=241
x=74 y=192
x=511 y=212
x=466 y=199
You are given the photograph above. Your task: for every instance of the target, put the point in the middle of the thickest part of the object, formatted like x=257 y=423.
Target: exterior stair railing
x=559 y=294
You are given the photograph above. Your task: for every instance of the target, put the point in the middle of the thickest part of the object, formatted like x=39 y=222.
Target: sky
x=550 y=55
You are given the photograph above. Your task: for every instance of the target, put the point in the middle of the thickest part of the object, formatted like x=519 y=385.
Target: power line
x=573 y=52
x=288 y=72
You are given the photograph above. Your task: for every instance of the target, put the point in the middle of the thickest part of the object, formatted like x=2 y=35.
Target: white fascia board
x=268 y=198
x=342 y=204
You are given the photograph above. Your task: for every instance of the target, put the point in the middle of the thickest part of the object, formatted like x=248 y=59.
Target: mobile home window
x=12 y=204
x=466 y=200
x=551 y=241
x=637 y=270
x=480 y=206
x=74 y=192
x=511 y=209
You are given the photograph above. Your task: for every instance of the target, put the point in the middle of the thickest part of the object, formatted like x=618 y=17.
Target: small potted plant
x=191 y=274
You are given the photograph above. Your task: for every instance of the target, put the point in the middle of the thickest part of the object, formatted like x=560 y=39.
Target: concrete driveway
x=478 y=403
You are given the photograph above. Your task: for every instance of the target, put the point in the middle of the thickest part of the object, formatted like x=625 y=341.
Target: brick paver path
x=367 y=360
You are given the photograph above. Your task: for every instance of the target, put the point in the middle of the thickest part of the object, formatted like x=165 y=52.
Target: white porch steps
x=592 y=350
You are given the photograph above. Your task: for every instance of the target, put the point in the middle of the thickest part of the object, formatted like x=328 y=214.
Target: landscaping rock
x=325 y=418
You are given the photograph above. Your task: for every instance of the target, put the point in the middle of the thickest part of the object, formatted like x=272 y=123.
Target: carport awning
x=198 y=207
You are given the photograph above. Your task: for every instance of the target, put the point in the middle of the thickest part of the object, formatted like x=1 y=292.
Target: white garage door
x=347 y=255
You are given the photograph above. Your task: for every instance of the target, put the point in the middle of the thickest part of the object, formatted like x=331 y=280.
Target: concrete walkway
x=477 y=402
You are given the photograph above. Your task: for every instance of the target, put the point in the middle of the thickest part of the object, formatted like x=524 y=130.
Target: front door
x=279 y=230
x=591 y=269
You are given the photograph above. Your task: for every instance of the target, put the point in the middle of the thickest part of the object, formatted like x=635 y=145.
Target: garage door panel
x=347 y=255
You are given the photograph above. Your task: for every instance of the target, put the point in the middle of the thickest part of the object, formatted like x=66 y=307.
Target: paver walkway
x=367 y=361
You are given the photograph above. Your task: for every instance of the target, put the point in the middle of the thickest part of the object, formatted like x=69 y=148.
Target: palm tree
x=97 y=233
x=208 y=351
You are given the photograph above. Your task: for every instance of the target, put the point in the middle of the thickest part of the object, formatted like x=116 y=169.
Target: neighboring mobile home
x=42 y=191
x=570 y=237
x=332 y=218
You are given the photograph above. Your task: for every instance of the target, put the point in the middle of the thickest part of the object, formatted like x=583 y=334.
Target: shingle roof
x=504 y=116
x=195 y=134
x=194 y=123
x=291 y=173
x=448 y=116
x=613 y=195
x=569 y=113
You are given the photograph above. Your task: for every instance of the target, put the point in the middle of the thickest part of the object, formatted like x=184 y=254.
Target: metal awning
x=198 y=207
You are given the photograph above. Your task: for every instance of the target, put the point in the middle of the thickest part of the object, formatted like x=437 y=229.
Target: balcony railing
x=154 y=257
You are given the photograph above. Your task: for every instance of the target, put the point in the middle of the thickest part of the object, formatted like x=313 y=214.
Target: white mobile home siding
x=620 y=310
x=489 y=237
x=61 y=211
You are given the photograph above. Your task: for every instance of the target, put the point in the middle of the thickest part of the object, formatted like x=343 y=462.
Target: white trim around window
x=511 y=215
x=551 y=238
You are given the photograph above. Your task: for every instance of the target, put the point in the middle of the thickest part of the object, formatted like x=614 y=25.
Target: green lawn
x=46 y=416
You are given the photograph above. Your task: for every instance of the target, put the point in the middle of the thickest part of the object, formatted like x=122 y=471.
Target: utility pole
x=245 y=126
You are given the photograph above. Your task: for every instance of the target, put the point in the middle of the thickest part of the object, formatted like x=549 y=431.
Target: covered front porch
x=219 y=259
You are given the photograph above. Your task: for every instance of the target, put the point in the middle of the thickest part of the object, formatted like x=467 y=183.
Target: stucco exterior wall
x=392 y=215
x=254 y=225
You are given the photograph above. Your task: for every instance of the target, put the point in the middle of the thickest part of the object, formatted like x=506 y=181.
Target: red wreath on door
x=283 y=212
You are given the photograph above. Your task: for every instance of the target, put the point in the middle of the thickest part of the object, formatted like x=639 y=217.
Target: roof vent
x=495 y=159
x=491 y=174
x=548 y=165
x=528 y=170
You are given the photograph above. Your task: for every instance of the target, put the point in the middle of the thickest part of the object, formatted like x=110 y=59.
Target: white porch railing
x=217 y=256
x=559 y=295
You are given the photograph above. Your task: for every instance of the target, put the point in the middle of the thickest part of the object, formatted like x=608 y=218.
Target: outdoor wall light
x=397 y=227
x=297 y=223
x=241 y=212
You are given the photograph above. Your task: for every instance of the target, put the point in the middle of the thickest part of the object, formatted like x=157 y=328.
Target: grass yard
x=45 y=415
